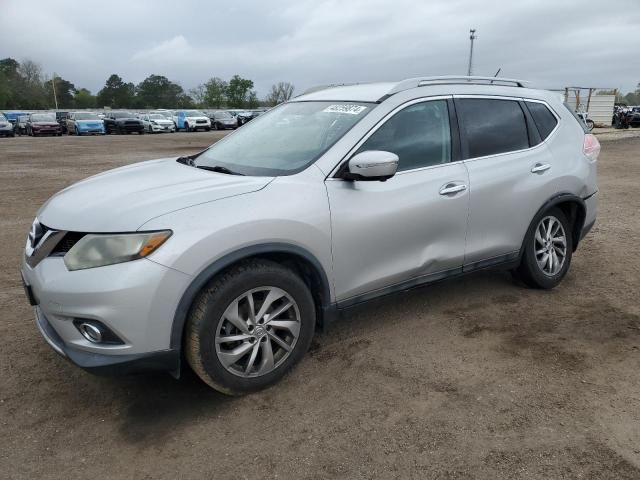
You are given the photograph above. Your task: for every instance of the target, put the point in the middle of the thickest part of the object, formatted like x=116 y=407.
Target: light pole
x=53 y=84
x=472 y=37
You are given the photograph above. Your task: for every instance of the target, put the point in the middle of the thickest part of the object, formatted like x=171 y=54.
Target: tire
x=207 y=323
x=77 y=132
x=547 y=275
x=208 y=129
x=590 y=125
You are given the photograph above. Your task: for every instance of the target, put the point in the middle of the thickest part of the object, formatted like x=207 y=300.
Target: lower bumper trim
x=101 y=364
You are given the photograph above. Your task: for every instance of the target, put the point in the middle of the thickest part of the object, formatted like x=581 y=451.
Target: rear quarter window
x=544 y=120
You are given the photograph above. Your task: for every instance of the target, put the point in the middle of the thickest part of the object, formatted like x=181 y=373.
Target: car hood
x=124 y=199
x=45 y=124
x=128 y=119
x=197 y=118
x=82 y=122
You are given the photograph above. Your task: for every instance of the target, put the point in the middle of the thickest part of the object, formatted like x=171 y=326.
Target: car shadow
x=156 y=405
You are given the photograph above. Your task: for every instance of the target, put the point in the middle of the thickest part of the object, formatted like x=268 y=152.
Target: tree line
x=24 y=86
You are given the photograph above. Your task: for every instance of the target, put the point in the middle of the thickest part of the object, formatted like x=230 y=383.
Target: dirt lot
x=475 y=379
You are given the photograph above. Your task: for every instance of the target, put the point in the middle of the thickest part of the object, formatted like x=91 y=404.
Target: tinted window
x=543 y=118
x=492 y=126
x=419 y=135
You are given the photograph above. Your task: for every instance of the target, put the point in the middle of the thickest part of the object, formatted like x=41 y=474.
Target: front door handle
x=539 y=168
x=451 y=188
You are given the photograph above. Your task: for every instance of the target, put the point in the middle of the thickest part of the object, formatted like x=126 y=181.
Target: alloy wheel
x=257 y=332
x=550 y=246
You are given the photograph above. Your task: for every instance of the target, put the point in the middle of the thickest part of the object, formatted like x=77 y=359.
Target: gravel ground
x=478 y=378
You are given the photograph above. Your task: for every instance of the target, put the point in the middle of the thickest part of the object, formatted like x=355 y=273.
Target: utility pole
x=53 y=84
x=472 y=37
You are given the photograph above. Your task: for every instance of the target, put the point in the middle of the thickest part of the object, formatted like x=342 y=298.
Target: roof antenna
x=499 y=70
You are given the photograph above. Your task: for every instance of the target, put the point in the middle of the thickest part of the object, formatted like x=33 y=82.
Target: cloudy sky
x=555 y=43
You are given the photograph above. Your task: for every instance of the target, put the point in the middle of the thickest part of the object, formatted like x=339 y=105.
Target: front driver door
x=410 y=229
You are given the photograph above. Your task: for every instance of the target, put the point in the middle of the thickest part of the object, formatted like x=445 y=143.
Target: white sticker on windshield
x=345 y=108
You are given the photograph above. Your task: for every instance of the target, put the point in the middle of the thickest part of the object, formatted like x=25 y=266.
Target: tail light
x=591 y=147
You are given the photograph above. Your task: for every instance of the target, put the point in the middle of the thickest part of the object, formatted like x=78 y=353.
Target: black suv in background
x=123 y=122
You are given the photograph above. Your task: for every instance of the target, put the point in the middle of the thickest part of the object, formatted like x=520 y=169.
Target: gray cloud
x=553 y=43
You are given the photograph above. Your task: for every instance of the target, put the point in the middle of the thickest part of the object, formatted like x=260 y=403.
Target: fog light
x=91 y=332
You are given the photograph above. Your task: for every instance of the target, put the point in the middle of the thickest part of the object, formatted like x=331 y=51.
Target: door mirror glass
x=372 y=165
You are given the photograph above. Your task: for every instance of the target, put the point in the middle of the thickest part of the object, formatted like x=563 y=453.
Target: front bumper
x=162 y=128
x=135 y=300
x=101 y=364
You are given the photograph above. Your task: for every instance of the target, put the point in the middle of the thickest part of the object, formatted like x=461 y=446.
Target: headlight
x=97 y=250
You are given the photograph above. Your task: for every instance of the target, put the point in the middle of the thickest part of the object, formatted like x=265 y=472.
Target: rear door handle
x=451 y=188
x=539 y=168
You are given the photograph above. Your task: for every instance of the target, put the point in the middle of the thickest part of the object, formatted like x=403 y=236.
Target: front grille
x=201 y=121
x=132 y=122
x=67 y=243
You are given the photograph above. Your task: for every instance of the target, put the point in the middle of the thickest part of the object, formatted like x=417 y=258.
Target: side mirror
x=372 y=165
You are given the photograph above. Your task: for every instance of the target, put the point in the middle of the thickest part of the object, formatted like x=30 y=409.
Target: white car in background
x=157 y=123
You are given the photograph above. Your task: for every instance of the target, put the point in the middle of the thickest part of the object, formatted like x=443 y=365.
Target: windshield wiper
x=218 y=169
x=186 y=161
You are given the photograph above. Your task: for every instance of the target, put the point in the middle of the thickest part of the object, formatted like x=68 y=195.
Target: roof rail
x=454 y=79
x=317 y=88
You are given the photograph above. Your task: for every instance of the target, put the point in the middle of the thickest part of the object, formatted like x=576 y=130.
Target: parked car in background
x=6 y=127
x=12 y=117
x=633 y=117
x=230 y=258
x=222 y=120
x=84 y=123
x=247 y=116
x=21 y=124
x=157 y=123
x=61 y=118
x=191 y=120
x=43 y=124
x=123 y=122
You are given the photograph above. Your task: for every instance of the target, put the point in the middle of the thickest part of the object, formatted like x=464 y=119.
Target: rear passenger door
x=411 y=228
x=511 y=173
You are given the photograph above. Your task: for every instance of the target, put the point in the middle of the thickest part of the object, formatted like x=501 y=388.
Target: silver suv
x=230 y=259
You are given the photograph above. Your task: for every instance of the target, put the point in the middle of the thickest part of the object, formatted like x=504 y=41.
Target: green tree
x=65 y=92
x=84 y=99
x=9 y=81
x=157 y=91
x=215 y=92
x=238 y=92
x=116 y=93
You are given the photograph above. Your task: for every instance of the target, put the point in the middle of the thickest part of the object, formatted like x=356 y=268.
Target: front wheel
x=249 y=327
x=547 y=251
x=590 y=124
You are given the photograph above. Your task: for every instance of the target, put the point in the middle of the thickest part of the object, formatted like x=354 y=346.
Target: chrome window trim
x=513 y=99
x=378 y=125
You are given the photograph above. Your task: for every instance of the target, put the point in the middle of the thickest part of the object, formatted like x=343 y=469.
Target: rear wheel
x=548 y=250
x=249 y=327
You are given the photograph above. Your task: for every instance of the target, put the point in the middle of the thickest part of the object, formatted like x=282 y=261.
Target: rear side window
x=492 y=126
x=543 y=118
x=420 y=135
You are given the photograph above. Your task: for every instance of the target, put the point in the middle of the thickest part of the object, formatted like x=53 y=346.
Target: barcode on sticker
x=345 y=108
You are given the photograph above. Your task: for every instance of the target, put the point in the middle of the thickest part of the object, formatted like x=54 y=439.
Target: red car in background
x=43 y=124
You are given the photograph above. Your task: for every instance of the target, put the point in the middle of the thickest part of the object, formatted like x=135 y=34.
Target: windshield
x=86 y=116
x=193 y=113
x=2 y=117
x=286 y=140
x=222 y=115
x=43 y=117
x=122 y=115
x=157 y=116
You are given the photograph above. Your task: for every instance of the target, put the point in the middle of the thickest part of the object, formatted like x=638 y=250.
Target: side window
x=543 y=118
x=492 y=126
x=419 y=135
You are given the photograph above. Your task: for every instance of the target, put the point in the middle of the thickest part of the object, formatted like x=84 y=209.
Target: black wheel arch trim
x=189 y=295
x=556 y=200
